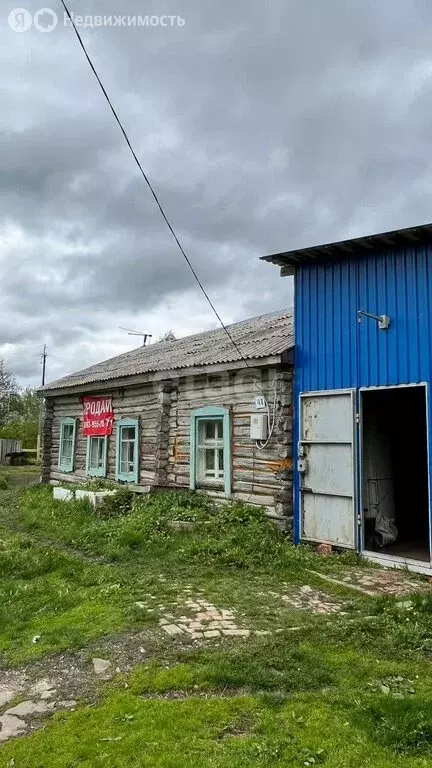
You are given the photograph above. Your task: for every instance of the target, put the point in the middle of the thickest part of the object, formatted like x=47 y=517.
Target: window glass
x=209 y=429
x=67 y=440
x=97 y=453
x=210 y=465
x=127 y=450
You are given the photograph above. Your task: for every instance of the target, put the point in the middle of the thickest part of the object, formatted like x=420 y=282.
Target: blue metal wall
x=333 y=351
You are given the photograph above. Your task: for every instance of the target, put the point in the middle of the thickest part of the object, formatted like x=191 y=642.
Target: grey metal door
x=327 y=467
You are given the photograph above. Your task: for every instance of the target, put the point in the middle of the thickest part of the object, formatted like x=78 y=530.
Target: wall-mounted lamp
x=382 y=320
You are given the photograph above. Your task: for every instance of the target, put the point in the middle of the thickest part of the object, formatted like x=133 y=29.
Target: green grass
x=182 y=716
x=342 y=690
x=21 y=476
x=43 y=592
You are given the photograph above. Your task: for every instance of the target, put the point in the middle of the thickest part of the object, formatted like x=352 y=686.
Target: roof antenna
x=145 y=336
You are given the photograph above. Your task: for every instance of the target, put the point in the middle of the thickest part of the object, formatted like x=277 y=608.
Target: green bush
x=231 y=535
x=188 y=506
x=118 y=505
x=239 y=536
x=4 y=482
x=24 y=430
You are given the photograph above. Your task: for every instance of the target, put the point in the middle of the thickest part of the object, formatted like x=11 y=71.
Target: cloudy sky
x=263 y=127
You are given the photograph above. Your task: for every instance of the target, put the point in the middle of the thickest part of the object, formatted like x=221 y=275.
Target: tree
x=19 y=410
x=26 y=431
x=8 y=392
x=25 y=405
x=23 y=418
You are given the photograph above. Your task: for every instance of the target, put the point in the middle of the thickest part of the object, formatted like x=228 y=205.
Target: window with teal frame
x=66 y=460
x=210 y=445
x=96 y=461
x=127 y=458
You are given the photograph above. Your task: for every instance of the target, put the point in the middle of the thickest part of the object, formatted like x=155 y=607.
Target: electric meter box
x=258 y=426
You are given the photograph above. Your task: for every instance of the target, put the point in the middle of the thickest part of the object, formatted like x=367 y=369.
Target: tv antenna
x=130 y=332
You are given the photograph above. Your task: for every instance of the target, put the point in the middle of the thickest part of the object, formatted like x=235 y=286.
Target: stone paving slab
x=11 y=686
x=11 y=726
x=377 y=582
x=204 y=622
x=307 y=598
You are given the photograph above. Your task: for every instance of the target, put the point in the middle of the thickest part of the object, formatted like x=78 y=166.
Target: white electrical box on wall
x=258 y=426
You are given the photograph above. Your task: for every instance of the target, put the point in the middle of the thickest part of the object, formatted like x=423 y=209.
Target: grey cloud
x=262 y=127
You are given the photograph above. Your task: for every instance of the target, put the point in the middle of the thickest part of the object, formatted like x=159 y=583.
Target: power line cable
x=147 y=180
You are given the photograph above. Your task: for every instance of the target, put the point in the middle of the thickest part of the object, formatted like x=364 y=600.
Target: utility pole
x=44 y=356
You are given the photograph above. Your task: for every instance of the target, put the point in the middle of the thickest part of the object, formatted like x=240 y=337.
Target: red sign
x=98 y=416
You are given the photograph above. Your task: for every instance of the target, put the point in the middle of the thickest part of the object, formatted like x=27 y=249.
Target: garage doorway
x=394 y=473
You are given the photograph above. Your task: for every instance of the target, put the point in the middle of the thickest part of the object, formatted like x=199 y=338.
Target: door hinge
x=357 y=418
x=359 y=519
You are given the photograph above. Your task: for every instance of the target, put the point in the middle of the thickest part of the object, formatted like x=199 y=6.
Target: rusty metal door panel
x=327 y=461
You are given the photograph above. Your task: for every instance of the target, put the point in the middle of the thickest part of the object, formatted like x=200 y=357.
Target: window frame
x=127 y=477
x=210 y=445
x=67 y=468
x=207 y=413
x=100 y=471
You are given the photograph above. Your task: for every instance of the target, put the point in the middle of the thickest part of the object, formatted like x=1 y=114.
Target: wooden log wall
x=164 y=409
x=139 y=402
x=262 y=477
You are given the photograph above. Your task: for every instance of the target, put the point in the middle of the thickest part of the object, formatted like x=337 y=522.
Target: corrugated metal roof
x=259 y=337
x=343 y=249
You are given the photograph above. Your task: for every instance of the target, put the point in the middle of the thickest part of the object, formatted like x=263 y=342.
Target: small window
x=211 y=448
x=67 y=445
x=96 y=456
x=127 y=450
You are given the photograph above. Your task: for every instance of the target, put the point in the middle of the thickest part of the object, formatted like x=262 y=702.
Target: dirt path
x=35 y=691
x=56 y=682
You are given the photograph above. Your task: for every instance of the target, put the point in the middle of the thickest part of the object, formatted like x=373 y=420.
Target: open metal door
x=327 y=467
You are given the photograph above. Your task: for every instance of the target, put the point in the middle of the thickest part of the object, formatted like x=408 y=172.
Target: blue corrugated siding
x=334 y=351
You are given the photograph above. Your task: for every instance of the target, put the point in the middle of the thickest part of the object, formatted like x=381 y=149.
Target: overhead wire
x=149 y=184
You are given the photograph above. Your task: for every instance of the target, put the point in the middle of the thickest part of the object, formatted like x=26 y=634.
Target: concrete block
x=63 y=494
x=96 y=498
x=100 y=496
x=82 y=495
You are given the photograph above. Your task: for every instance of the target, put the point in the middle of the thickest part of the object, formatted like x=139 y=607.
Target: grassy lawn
x=349 y=688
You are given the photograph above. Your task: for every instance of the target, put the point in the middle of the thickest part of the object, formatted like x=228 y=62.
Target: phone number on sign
x=98 y=424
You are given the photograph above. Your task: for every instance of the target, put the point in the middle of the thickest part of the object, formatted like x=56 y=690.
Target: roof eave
x=151 y=376
x=354 y=247
x=287 y=269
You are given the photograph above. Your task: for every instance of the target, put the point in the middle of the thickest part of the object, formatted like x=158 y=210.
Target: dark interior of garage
x=394 y=472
